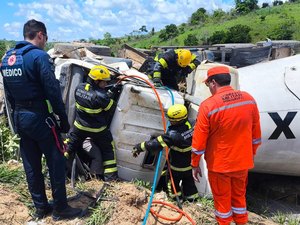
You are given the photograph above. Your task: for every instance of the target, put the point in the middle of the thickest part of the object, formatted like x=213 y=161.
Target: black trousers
x=103 y=141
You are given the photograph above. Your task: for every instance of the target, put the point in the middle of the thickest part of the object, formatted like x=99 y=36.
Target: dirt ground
x=121 y=203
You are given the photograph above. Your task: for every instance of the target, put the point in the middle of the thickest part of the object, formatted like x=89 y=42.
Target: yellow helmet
x=184 y=57
x=99 y=72
x=177 y=113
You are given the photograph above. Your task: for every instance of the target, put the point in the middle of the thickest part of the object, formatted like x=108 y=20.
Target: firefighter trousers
x=229 y=194
x=184 y=184
x=104 y=142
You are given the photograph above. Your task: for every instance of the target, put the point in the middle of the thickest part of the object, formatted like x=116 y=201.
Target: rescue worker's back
x=228 y=151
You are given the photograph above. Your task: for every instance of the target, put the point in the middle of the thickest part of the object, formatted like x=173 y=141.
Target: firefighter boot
x=111 y=176
x=67 y=213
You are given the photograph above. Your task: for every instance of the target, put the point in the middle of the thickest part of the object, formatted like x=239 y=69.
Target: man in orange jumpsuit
x=228 y=132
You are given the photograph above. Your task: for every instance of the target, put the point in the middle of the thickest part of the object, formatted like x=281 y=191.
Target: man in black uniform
x=172 y=66
x=94 y=111
x=34 y=93
x=179 y=139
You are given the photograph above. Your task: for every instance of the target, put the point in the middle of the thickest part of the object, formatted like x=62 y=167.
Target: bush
x=191 y=40
x=284 y=31
x=218 y=37
x=238 y=34
x=9 y=143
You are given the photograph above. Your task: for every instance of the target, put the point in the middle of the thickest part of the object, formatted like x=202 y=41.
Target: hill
x=274 y=22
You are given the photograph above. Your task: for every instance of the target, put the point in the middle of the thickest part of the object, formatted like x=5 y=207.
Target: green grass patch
x=9 y=175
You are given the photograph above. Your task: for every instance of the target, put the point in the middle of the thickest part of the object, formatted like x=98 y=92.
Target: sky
x=68 y=20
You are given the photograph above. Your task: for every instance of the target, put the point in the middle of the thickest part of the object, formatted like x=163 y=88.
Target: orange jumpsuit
x=228 y=132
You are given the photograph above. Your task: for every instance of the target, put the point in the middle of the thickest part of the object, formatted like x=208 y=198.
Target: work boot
x=111 y=176
x=67 y=213
x=40 y=213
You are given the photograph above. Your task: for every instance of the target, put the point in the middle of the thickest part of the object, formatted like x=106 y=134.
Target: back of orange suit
x=228 y=133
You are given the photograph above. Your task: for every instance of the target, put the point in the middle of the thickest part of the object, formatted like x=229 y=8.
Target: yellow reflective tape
x=187 y=149
x=188 y=124
x=161 y=141
x=192 y=65
x=163 y=173
x=89 y=129
x=87 y=87
x=143 y=146
x=193 y=57
x=163 y=62
x=49 y=106
x=109 y=162
x=88 y=110
x=181 y=169
x=114 y=149
x=156 y=74
x=111 y=170
x=67 y=140
x=111 y=102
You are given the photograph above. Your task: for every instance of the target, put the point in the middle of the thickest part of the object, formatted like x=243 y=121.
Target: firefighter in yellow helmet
x=94 y=111
x=172 y=66
x=179 y=139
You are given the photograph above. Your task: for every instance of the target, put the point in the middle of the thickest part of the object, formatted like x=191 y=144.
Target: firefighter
x=179 y=139
x=94 y=111
x=172 y=66
x=33 y=92
x=228 y=133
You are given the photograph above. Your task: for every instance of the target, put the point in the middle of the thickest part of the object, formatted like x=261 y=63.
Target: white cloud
x=13 y=29
x=92 y=18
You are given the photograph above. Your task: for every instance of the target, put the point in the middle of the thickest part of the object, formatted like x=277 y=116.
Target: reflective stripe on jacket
x=227 y=131
x=178 y=138
x=93 y=108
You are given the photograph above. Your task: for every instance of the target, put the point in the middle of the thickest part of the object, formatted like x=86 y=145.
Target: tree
x=199 y=16
x=152 y=31
x=143 y=29
x=191 y=40
x=276 y=2
x=218 y=14
x=169 y=32
x=265 y=5
x=108 y=40
x=245 y=6
x=218 y=37
x=238 y=34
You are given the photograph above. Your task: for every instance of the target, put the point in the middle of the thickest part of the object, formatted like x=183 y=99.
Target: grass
x=13 y=176
x=286 y=219
x=141 y=183
x=101 y=214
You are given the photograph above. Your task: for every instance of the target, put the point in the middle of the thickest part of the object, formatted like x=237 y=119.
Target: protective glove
x=64 y=124
x=136 y=150
x=157 y=82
